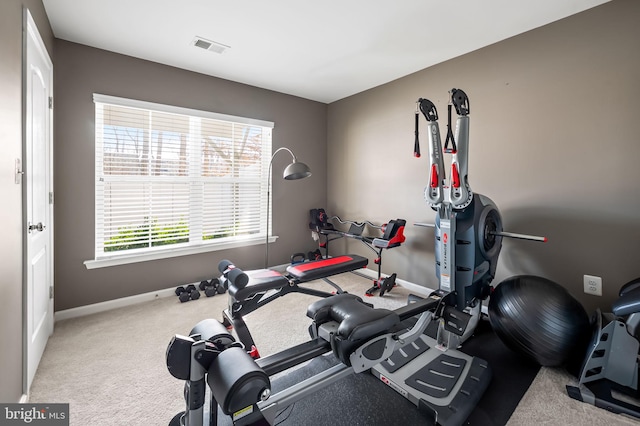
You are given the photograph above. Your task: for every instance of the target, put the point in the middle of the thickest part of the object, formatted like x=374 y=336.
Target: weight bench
x=393 y=236
x=250 y=290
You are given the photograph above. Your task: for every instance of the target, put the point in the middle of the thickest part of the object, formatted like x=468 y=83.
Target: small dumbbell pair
x=212 y=287
x=188 y=293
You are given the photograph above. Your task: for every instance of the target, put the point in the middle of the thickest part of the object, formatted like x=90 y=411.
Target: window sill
x=124 y=259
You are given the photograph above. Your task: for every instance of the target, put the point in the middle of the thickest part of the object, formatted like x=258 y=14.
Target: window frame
x=105 y=259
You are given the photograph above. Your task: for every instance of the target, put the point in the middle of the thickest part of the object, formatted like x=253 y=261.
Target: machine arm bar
x=520 y=236
x=426 y=225
x=460 y=192
x=496 y=233
x=434 y=192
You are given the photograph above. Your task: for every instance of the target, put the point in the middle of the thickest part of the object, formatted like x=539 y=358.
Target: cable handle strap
x=450 y=136
x=416 y=144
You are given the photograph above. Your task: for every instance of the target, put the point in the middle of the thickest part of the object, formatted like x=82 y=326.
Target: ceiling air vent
x=209 y=45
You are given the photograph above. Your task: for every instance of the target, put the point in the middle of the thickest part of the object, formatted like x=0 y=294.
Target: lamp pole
x=295 y=170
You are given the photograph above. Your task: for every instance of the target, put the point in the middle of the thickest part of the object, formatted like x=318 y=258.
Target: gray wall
x=554 y=142
x=80 y=71
x=11 y=107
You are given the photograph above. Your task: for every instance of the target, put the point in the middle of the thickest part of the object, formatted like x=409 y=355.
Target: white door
x=38 y=305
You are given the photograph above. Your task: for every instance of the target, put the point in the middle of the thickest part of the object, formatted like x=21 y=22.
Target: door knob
x=39 y=227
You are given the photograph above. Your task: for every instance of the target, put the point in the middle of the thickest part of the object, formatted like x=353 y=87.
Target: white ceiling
x=324 y=51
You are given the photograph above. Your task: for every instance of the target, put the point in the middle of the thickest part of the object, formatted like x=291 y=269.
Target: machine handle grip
x=238 y=278
x=234 y=274
x=224 y=265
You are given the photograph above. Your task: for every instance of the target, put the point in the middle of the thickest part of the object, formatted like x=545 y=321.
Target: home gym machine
x=392 y=236
x=433 y=373
x=443 y=383
x=359 y=336
x=610 y=365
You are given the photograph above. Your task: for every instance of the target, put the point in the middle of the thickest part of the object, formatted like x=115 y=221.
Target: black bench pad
x=260 y=280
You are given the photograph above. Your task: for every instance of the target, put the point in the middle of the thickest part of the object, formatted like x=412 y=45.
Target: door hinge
x=50 y=102
x=50 y=292
x=50 y=197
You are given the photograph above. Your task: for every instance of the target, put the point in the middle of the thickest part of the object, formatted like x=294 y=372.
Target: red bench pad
x=323 y=268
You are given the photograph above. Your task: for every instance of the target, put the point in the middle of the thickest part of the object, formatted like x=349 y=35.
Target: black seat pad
x=260 y=281
x=359 y=321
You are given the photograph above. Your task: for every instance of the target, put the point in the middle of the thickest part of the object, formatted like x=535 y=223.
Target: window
x=170 y=178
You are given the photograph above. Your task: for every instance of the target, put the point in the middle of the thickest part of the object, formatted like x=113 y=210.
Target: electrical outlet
x=593 y=285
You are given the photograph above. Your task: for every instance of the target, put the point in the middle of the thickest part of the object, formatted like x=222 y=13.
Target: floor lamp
x=295 y=170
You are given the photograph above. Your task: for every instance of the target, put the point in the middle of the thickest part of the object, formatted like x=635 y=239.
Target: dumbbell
x=188 y=293
x=212 y=287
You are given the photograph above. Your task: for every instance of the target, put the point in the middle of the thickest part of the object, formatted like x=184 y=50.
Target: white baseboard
x=419 y=290
x=24 y=399
x=113 y=304
x=169 y=292
x=124 y=301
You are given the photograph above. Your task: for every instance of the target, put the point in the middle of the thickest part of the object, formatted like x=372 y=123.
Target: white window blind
x=169 y=177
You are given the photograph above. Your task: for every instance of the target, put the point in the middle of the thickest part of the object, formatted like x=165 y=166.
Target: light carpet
x=110 y=367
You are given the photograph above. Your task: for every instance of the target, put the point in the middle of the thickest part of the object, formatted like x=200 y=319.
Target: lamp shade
x=296 y=170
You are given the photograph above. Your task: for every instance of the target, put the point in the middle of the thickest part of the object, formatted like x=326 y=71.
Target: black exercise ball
x=538 y=318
